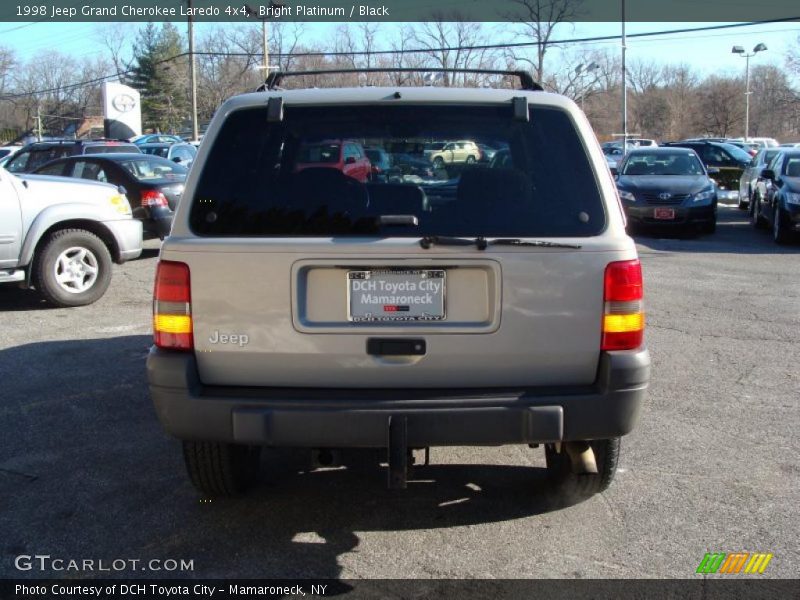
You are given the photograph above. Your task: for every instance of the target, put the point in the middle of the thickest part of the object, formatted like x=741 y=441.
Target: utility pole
x=39 y=122
x=265 y=36
x=624 y=84
x=192 y=74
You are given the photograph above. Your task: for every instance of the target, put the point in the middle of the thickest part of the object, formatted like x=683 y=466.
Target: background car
x=463 y=151
x=667 y=186
x=725 y=163
x=181 y=153
x=776 y=202
x=346 y=156
x=487 y=152
x=36 y=154
x=747 y=183
x=156 y=138
x=381 y=165
x=412 y=166
x=153 y=185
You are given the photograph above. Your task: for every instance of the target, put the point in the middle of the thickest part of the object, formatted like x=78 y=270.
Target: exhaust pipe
x=581 y=457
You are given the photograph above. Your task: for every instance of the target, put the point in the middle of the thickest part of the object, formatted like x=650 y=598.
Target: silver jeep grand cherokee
x=305 y=304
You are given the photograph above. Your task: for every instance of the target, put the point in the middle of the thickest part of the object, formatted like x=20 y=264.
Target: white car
x=61 y=235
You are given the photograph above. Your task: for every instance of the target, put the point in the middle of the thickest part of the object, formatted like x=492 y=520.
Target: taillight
x=172 y=307
x=151 y=198
x=623 y=314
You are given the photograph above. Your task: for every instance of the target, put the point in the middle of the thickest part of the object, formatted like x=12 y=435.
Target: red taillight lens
x=172 y=307
x=152 y=198
x=623 y=314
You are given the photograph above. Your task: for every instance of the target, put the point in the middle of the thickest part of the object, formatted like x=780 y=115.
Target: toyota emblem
x=664 y=196
x=123 y=102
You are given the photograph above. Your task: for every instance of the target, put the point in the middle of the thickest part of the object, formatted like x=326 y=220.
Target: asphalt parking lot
x=86 y=473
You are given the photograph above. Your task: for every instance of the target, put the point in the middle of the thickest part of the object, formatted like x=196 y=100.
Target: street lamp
x=740 y=51
x=581 y=71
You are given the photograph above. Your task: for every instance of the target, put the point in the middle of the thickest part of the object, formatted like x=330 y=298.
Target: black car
x=776 y=201
x=34 y=155
x=152 y=184
x=667 y=186
x=727 y=160
x=410 y=165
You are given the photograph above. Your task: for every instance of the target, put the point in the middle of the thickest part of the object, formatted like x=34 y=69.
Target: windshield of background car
x=154 y=170
x=737 y=153
x=162 y=151
x=791 y=166
x=254 y=182
x=677 y=163
x=111 y=149
x=28 y=160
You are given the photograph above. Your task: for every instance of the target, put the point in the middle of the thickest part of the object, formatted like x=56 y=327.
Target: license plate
x=664 y=213
x=396 y=295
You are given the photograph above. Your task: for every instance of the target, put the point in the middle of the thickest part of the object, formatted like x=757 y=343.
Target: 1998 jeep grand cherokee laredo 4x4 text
x=494 y=305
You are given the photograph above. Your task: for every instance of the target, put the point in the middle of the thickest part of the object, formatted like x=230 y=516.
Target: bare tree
x=720 y=107
x=116 y=38
x=450 y=43
x=538 y=20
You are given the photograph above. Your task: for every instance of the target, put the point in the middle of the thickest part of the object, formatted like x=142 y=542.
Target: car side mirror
x=768 y=174
x=177 y=159
x=121 y=189
x=614 y=172
x=713 y=170
x=350 y=160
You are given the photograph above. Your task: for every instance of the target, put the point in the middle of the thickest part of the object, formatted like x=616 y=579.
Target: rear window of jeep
x=269 y=179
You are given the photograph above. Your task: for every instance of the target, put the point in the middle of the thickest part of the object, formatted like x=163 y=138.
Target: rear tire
x=573 y=487
x=779 y=233
x=72 y=268
x=221 y=469
x=756 y=218
x=438 y=163
x=470 y=160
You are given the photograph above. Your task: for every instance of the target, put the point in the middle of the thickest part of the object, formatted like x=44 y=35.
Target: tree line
x=665 y=101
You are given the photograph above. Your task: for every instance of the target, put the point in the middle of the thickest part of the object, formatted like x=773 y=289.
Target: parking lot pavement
x=86 y=473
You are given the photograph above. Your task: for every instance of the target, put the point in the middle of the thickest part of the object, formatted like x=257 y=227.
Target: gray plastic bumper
x=298 y=417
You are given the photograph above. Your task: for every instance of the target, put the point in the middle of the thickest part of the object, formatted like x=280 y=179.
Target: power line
x=396 y=51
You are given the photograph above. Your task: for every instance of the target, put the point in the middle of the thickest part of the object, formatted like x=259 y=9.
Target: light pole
x=740 y=51
x=580 y=72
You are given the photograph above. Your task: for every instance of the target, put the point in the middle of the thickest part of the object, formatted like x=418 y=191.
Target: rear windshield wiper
x=482 y=243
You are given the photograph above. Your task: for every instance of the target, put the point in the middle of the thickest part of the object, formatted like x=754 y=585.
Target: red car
x=345 y=155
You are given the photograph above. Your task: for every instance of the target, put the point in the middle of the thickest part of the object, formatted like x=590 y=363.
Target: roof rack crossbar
x=525 y=78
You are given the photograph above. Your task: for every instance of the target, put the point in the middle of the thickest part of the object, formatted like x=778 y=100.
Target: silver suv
x=491 y=304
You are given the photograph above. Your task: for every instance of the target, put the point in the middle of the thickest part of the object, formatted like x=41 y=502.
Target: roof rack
x=525 y=78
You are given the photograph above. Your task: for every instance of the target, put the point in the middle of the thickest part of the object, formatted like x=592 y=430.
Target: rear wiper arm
x=444 y=240
x=482 y=243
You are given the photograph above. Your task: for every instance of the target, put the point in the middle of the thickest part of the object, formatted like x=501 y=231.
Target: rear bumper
x=352 y=418
x=645 y=214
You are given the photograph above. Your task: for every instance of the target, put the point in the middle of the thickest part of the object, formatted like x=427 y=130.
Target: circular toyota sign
x=123 y=102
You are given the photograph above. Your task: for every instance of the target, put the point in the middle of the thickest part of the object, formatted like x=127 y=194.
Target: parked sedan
x=667 y=186
x=152 y=184
x=747 y=183
x=776 y=201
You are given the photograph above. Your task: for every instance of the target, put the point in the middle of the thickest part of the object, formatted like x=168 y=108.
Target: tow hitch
x=397 y=451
